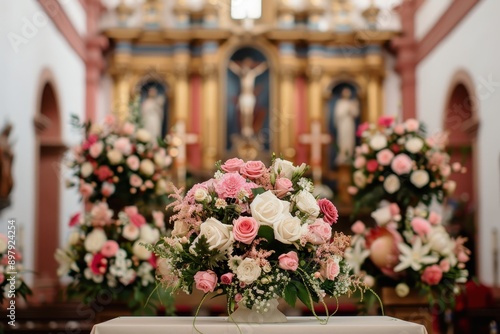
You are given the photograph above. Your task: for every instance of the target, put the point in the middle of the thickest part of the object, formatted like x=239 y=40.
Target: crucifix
x=316 y=140
x=184 y=139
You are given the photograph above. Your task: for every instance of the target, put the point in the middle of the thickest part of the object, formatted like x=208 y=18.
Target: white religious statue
x=345 y=114
x=152 y=112
x=247 y=99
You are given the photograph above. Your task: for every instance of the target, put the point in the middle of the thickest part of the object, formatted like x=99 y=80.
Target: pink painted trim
x=300 y=119
x=194 y=152
x=64 y=25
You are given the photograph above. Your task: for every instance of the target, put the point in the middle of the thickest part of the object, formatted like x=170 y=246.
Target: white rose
x=180 y=229
x=114 y=157
x=86 y=169
x=200 y=195
x=140 y=251
x=143 y=135
x=248 y=271
x=268 y=209
x=131 y=232
x=402 y=290
x=218 y=235
x=95 y=240
x=73 y=239
x=284 y=167
x=414 y=145
x=359 y=179
x=149 y=234
x=307 y=203
x=288 y=230
x=419 y=178
x=392 y=184
x=382 y=215
x=147 y=167
x=378 y=142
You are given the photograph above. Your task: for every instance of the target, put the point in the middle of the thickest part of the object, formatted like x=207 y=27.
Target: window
x=246 y=9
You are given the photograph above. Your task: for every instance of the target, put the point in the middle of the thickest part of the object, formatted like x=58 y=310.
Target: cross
x=184 y=140
x=316 y=139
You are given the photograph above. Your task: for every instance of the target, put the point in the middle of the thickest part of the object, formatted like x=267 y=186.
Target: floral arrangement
x=412 y=252
x=120 y=162
x=11 y=269
x=398 y=163
x=255 y=233
x=104 y=252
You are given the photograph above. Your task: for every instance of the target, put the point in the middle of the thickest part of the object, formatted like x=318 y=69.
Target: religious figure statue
x=247 y=99
x=152 y=112
x=345 y=114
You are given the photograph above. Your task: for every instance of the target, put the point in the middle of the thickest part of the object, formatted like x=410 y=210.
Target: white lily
x=356 y=256
x=415 y=256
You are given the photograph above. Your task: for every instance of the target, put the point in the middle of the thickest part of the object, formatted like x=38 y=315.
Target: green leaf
x=303 y=294
x=290 y=294
x=258 y=191
x=266 y=232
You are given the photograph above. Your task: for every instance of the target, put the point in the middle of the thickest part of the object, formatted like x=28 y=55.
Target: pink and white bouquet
x=120 y=162
x=108 y=253
x=414 y=252
x=400 y=164
x=11 y=270
x=255 y=233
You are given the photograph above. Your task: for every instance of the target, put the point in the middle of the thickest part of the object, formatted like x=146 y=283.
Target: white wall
x=471 y=46
x=428 y=14
x=42 y=48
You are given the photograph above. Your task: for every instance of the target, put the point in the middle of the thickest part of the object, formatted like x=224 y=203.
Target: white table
x=295 y=325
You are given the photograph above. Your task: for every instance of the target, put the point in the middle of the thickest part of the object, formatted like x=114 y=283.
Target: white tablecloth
x=219 y=325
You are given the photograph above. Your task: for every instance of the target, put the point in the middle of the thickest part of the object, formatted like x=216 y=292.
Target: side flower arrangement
x=107 y=253
x=255 y=233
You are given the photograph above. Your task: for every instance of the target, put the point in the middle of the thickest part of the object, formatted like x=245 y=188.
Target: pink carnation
x=401 y=164
x=230 y=185
x=421 y=226
x=233 y=165
x=432 y=275
x=253 y=169
x=289 y=261
x=110 y=248
x=330 y=212
x=205 y=281
x=384 y=157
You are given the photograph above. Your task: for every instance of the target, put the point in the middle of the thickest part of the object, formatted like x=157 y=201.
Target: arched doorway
x=461 y=124
x=48 y=128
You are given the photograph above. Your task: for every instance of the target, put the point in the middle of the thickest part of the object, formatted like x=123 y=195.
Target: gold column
x=314 y=92
x=210 y=129
x=286 y=129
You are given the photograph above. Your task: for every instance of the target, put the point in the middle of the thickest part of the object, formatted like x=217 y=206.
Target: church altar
x=295 y=325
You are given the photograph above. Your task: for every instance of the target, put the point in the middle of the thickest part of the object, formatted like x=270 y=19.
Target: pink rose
x=133 y=162
x=319 y=232
x=95 y=149
x=75 y=219
x=123 y=145
x=358 y=227
x=359 y=162
x=330 y=212
x=233 y=165
x=135 y=180
x=128 y=128
x=421 y=226
x=432 y=275
x=401 y=164
x=282 y=187
x=107 y=189
x=362 y=128
x=412 y=125
x=371 y=165
x=434 y=218
x=385 y=121
x=384 y=157
x=110 y=248
x=205 y=281
x=226 y=278
x=230 y=185
x=330 y=269
x=245 y=229
x=445 y=265
x=399 y=129
x=86 y=190
x=289 y=261
x=253 y=169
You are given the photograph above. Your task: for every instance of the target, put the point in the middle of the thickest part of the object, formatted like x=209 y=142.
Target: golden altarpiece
x=308 y=51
